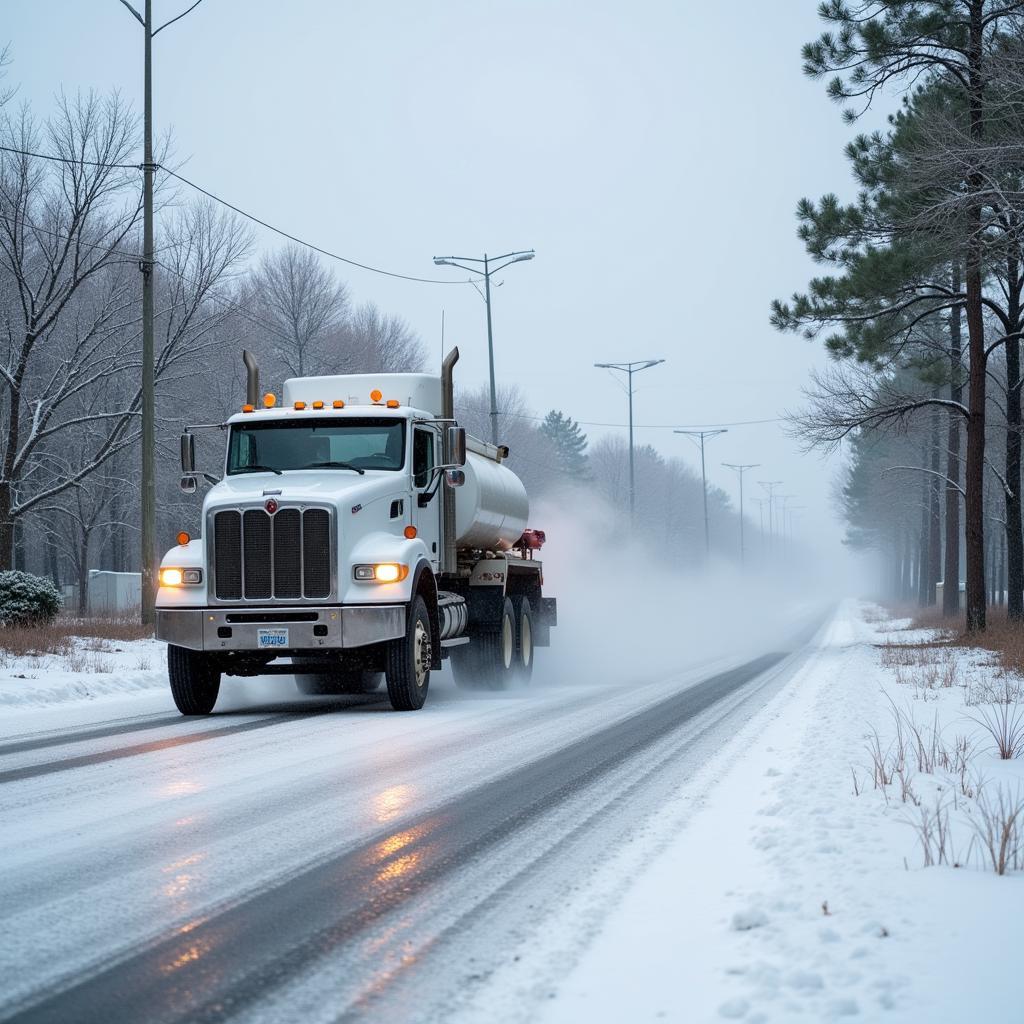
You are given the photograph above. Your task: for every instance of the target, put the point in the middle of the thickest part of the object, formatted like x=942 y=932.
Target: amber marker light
x=410 y=532
x=300 y=405
x=318 y=405
x=269 y=400
x=392 y=403
x=248 y=408
x=338 y=404
x=375 y=395
x=183 y=538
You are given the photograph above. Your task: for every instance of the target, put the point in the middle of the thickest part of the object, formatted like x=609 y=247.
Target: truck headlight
x=177 y=577
x=381 y=572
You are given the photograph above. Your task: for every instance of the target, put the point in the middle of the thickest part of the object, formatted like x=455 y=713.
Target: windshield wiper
x=335 y=464
x=257 y=469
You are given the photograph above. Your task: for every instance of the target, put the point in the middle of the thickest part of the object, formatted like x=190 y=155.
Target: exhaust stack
x=450 y=561
x=252 y=379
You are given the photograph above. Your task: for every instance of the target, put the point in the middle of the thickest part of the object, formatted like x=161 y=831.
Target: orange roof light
x=318 y=405
x=269 y=400
x=300 y=405
x=392 y=403
x=248 y=408
x=410 y=532
x=339 y=404
x=183 y=538
x=375 y=395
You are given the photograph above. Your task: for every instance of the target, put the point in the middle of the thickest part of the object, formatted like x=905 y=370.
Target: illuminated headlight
x=178 y=577
x=382 y=572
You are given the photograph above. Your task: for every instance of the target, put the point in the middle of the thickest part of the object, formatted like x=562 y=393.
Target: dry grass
x=119 y=627
x=35 y=641
x=82 y=643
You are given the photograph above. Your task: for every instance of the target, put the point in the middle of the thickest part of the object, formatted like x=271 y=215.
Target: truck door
x=426 y=517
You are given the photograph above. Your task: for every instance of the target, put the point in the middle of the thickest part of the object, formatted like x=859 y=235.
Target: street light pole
x=704 y=478
x=740 y=470
x=629 y=369
x=509 y=258
x=147 y=510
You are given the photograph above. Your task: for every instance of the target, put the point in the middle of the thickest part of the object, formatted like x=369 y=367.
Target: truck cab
x=342 y=544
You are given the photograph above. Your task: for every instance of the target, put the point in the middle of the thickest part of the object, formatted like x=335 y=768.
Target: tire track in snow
x=227 y=962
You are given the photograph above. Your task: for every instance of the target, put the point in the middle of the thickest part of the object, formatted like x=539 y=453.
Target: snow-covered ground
x=781 y=894
x=91 y=669
x=769 y=878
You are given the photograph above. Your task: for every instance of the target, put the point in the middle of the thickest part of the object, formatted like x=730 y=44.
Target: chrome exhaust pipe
x=252 y=379
x=450 y=561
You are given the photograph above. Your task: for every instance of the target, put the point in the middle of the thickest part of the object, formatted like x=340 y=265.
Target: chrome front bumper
x=237 y=629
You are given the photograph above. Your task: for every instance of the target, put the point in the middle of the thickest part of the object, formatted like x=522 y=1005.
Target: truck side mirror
x=455 y=445
x=188 y=453
x=455 y=477
x=188 y=484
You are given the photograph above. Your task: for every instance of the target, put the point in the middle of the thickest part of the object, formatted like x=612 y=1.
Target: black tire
x=338 y=682
x=407 y=660
x=195 y=680
x=523 y=613
x=488 y=661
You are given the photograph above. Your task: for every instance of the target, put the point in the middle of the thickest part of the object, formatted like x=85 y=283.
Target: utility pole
x=629 y=369
x=147 y=554
x=740 y=470
x=782 y=515
x=704 y=477
x=509 y=258
x=769 y=486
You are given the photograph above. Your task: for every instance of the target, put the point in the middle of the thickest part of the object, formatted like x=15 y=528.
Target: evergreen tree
x=570 y=444
x=888 y=250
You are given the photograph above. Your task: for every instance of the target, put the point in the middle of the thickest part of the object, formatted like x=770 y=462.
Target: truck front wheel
x=407 y=661
x=195 y=680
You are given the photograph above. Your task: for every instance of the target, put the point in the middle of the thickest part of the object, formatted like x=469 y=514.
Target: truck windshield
x=283 y=445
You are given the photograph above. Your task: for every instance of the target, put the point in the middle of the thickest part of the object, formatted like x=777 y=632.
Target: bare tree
x=302 y=303
x=370 y=341
x=65 y=237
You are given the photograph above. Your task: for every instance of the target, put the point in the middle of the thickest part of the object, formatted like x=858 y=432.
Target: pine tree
x=943 y=53
x=570 y=444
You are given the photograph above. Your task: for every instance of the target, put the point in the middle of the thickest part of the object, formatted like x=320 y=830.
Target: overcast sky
x=651 y=152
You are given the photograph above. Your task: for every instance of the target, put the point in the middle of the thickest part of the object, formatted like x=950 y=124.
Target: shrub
x=27 y=600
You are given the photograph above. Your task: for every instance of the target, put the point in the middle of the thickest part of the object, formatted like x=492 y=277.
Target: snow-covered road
x=318 y=859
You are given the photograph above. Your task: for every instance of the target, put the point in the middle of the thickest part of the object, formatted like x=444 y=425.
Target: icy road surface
x=323 y=860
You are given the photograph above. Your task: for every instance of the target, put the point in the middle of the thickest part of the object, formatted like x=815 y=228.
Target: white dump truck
x=356 y=534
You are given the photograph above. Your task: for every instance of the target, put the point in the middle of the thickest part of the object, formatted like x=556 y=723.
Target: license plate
x=271 y=638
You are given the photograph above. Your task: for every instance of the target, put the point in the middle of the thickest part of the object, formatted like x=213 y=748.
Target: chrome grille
x=261 y=557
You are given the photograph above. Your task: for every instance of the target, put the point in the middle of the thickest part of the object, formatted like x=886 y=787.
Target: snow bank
x=93 y=668
x=787 y=896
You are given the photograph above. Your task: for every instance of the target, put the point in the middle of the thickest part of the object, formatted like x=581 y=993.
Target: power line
x=236 y=209
x=68 y=160
x=302 y=241
x=656 y=426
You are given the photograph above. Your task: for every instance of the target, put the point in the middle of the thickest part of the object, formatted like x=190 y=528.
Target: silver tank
x=491 y=507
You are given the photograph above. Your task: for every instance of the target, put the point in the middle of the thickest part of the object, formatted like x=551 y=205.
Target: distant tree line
x=920 y=302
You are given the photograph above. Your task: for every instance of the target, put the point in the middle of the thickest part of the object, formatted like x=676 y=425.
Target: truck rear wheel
x=337 y=682
x=195 y=680
x=407 y=660
x=524 y=638
x=488 y=661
